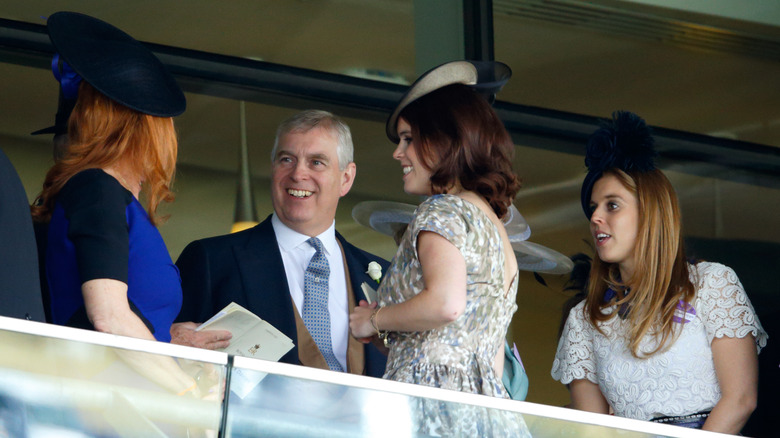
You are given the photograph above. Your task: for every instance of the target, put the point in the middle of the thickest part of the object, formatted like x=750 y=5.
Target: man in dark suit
x=20 y=293
x=263 y=268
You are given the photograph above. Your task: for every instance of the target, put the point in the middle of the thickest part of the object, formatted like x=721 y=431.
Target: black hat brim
x=587 y=190
x=116 y=64
x=49 y=130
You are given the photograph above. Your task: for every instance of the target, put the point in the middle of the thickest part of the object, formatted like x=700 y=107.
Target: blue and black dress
x=99 y=230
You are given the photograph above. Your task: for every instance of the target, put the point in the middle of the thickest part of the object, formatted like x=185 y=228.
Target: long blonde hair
x=660 y=279
x=103 y=133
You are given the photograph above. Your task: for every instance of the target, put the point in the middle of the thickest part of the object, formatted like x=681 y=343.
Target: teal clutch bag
x=515 y=380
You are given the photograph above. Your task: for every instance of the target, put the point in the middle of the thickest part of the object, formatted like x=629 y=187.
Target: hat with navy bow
x=114 y=63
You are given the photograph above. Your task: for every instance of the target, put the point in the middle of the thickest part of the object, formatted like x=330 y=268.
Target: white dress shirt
x=296 y=254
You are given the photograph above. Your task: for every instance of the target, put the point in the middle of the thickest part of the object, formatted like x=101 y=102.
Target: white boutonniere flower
x=375 y=271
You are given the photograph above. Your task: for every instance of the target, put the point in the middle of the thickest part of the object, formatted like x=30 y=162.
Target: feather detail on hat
x=625 y=142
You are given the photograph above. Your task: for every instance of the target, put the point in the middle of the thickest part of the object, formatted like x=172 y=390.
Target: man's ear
x=347 y=178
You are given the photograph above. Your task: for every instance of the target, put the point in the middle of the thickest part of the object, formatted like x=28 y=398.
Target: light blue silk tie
x=316 y=316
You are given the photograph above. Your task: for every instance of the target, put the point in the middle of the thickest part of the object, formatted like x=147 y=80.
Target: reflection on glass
x=64 y=388
x=286 y=406
x=67 y=388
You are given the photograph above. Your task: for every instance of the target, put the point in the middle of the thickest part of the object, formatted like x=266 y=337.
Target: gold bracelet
x=372 y=320
x=380 y=334
x=191 y=388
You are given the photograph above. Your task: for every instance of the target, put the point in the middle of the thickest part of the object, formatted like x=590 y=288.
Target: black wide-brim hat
x=486 y=77
x=116 y=64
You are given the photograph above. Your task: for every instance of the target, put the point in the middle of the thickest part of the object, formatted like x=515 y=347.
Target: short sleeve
x=575 y=356
x=723 y=305
x=95 y=205
x=441 y=214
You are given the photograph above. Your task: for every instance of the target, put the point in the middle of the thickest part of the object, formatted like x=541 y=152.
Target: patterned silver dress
x=458 y=356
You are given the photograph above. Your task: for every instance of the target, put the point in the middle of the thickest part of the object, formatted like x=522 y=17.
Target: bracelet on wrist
x=380 y=334
x=372 y=319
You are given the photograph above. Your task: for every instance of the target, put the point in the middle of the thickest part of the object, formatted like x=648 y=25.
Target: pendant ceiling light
x=245 y=215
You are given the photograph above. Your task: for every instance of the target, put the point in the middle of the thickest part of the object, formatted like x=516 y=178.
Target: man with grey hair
x=268 y=269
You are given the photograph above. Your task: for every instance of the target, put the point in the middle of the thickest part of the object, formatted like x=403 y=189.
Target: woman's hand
x=185 y=333
x=360 y=322
x=109 y=311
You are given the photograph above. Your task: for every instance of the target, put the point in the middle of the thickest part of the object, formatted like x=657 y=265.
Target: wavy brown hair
x=103 y=133
x=660 y=279
x=460 y=139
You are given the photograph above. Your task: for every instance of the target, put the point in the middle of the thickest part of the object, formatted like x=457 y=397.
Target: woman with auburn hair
x=144 y=151
x=658 y=338
x=446 y=301
x=106 y=265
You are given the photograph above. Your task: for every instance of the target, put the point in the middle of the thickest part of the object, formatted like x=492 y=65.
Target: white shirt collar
x=290 y=239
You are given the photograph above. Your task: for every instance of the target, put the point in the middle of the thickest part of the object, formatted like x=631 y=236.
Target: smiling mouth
x=601 y=237
x=299 y=193
x=407 y=169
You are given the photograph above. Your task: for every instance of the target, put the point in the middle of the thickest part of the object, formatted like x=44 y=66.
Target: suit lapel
x=357 y=264
x=355 y=271
x=264 y=281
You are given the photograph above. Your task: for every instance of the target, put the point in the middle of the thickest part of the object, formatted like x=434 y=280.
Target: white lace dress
x=679 y=381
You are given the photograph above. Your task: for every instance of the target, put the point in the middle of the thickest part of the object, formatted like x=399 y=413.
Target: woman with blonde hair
x=657 y=338
x=106 y=265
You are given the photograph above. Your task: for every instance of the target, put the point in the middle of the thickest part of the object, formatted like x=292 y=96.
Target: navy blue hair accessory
x=69 y=82
x=67 y=77
x=625 y=142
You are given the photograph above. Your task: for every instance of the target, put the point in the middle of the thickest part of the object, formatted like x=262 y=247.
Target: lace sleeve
x=725 y=307
x=574 y=358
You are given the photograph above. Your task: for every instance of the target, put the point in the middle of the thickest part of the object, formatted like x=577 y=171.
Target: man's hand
x=359 y=322
x=183 y=333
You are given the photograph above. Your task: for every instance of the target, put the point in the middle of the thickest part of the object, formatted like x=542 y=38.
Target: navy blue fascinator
x=625 y=142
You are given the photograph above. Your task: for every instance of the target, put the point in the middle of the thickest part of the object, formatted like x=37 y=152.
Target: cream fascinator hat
x=486 y=77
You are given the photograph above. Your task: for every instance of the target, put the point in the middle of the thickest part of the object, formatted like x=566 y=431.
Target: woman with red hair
x=106 y=265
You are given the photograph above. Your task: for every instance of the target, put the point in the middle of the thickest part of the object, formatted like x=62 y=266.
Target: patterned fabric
x=460 y=355
x=316 y=317
x=676 y=382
